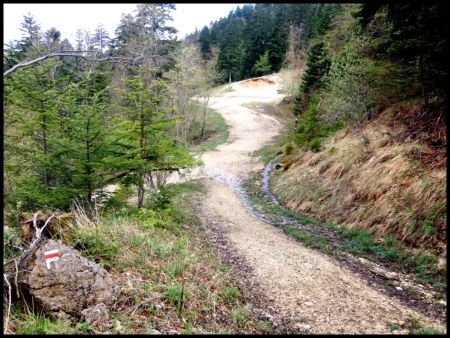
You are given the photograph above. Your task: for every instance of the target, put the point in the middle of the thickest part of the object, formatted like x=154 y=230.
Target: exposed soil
x=257 y=83
x=302 y=284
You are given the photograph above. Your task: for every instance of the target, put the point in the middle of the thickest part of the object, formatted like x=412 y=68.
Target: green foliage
x=11 y=242
x=297 y=105
x=247 y=33
x=359 y=241
x=393 y=327
x=230 y=293
x=311 y=130
x=145 y=144
x=262 y=66
x=240 y=315
x=332 y=150
x=84 y=147
x=119 y=199
x=204 y=40
x=350 y=93
x=30 y=323
x=288 y=148
x=428 y=331
x=31 y=135
x=160 y=199
x=317 y=67
x=414 y=35
x=299 y=234
x=173 y=293
x=320 y=19
x=97 y=245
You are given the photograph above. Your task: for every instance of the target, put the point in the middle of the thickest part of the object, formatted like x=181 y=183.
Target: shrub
x=288 y=148
x=311 y=130
x=350 y=94
x=160 y=199
x=230 y=293
x=240 y=315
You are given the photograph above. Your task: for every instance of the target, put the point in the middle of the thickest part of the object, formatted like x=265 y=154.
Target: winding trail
x=301 y=283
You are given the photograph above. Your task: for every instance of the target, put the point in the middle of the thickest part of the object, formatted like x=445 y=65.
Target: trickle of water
x=265 y=175
x=237 y=184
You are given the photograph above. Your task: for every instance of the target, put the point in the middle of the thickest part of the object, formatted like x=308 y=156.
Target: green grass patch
x=27 y=323
x=299 y=234
x=428 y=331
x=230 y=293
x=240 y=315
x=216 y=133
x=174 y=293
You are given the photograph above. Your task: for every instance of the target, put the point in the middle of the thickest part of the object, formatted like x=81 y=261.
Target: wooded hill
x=253 y=39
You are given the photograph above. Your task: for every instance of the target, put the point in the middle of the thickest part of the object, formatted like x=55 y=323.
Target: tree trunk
x=422 y=77
x=203 y=124
x=141 y=191
x=45 y=146
x=141 y=188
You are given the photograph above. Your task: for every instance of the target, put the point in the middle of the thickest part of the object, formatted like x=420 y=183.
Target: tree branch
x=69 y=54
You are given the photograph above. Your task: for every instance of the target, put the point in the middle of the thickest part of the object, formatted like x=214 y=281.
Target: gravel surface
x=303 y=284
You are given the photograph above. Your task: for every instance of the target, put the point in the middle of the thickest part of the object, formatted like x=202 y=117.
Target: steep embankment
x=373 y=177
x=305 y=285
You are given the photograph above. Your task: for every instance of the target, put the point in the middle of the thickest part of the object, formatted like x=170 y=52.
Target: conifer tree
x=262 y=66
x=204 y=40
x=144 y=144
x=316 y=67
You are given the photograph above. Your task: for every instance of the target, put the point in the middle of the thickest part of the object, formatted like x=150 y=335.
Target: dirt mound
x=257 y=83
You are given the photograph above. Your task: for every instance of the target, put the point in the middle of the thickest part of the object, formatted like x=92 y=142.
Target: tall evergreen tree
x=144 y=145
x=204 y=40
x=317 y=67
x=262 y=66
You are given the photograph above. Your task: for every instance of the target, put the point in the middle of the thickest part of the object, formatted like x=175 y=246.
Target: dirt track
x=303 y=283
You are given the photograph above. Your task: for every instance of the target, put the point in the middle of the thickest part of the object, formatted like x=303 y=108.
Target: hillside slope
x=377 y=177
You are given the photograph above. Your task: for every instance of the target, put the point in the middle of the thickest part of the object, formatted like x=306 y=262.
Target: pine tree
x=317 y=67
x=30 y=132
x=204 y=40
x=143 y=134
x=262 y=66
x=101 y=38
x=83 y=145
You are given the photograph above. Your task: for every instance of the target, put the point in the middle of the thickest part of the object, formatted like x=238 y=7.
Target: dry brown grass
x=372 y=182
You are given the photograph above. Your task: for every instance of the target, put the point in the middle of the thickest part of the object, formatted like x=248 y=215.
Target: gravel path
x=304 y=284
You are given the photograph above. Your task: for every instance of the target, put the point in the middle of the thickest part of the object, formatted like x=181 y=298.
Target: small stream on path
x=238 y=185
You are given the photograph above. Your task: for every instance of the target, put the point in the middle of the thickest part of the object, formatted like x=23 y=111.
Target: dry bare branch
x=69 y=54
x=8 y=312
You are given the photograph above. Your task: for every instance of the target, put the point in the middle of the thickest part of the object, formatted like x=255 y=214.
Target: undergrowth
x=171 y=280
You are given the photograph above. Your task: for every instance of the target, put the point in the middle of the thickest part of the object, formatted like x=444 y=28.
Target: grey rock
x=154 y=331
x=72 y=285
x=266 y=316
x=303 y=327
x=95 y=314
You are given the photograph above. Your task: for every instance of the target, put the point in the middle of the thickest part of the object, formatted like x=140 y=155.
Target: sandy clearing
x=303 y=283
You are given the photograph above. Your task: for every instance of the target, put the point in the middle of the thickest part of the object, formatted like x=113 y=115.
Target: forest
x=94 y=132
